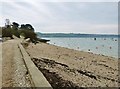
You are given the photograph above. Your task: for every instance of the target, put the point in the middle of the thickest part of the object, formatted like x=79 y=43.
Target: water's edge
x=102 y=46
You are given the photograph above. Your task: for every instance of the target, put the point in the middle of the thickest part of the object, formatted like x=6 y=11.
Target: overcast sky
x=69 y=17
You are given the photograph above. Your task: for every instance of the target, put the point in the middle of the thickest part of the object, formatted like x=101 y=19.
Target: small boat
x=43 y=40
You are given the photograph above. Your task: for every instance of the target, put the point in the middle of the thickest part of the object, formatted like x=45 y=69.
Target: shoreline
x=78 y=68
x=106 y=47
x=84 y=51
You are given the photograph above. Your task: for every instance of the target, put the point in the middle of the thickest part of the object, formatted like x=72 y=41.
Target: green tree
x=28 y=34
x=27 y=27
x=25 y=30
x=15 y=26
x=7 y=32
x=22 y=26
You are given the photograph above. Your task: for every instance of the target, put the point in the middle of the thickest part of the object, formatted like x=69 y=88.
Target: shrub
x=26 y=31
x=6 y=32
x=28 y=34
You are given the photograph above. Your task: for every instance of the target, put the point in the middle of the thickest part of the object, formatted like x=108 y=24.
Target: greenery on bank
x=0 y=31
x=24 y=30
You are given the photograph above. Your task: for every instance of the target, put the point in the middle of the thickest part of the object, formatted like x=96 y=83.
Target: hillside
x=73 y=35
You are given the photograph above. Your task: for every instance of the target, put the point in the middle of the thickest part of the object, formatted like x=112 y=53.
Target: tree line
x=25 y=30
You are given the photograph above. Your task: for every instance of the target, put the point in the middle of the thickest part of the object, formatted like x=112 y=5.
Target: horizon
x=75 y=33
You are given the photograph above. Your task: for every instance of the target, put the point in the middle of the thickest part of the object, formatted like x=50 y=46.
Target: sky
x=93 y=17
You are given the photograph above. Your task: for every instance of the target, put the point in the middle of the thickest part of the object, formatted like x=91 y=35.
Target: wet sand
x=65 y=67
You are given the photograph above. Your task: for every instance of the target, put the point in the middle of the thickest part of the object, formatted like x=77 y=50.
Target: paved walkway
x=0 y=65
x=14 y=72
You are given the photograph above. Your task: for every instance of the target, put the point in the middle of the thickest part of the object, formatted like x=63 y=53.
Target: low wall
x=37 y=78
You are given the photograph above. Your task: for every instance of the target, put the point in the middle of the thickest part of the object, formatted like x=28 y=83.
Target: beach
x=59 y=44
x=72 y=68
x=62 y=67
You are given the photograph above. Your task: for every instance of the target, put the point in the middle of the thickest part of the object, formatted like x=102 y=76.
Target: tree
x=28 y=34
x=6 y=32
x=25 y=30
x=22 y=26
x=7 y=23
x=15 y=26
x=27 y=27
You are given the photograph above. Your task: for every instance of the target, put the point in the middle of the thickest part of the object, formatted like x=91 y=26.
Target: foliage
x=15 y=26
x=22 y=34
x=28 y=34
x=0 y=31
x=25 y=30
x=7 y=32
x=27 y=27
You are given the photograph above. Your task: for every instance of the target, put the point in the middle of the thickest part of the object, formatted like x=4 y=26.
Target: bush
x=28 y=34
x=27 y=31
x=15 y=32
x=6 y=32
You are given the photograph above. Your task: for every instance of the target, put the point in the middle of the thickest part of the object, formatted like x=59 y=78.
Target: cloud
x=83 y=17
x=81 y=28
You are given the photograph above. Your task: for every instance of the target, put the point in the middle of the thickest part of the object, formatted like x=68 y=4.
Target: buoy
x=94 y=38
x=104 y=38
x=110 y=47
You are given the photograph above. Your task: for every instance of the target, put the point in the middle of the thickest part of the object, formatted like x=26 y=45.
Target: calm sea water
x=103 y=46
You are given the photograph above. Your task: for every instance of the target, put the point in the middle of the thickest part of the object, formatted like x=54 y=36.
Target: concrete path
x=7 y=61
x=14 y=72
x=0 y=65
x=18 y=70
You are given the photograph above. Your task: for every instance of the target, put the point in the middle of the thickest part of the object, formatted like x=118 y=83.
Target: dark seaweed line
x=86 y=73
x=55 y=80
x=107 y=67
x=83 y=72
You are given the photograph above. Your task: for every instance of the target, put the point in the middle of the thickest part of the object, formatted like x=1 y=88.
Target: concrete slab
x=0 y=65
x=37 y=77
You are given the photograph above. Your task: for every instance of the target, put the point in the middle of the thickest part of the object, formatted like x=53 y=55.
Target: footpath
x=17 y=68
x=13 y=68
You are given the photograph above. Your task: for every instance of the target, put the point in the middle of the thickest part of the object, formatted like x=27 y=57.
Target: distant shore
x=77 y=35
x=65 y=67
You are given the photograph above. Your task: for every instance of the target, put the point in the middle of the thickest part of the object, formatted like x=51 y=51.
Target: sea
x=107 y=46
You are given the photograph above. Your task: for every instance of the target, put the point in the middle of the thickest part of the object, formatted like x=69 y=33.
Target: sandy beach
x=65 y=67
x=59 y=44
